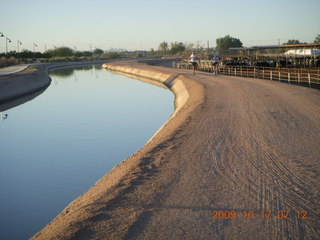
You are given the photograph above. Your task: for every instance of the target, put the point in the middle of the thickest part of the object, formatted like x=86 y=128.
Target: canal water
x=56 y=146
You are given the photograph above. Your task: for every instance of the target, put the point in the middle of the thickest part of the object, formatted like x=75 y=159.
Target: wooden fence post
x=270 y=75
x=309 y=78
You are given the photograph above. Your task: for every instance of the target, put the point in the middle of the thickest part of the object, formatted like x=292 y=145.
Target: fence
x=306 y=76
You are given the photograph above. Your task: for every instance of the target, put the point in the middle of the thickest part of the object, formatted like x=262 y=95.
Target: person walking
x=215 y=64
x=193 y=59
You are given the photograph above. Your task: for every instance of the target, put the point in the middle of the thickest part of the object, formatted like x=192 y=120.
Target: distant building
x=302 y=52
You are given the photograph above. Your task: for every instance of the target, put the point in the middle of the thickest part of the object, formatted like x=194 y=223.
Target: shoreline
x=33 y=79
x=173 y=82
x=112 y=181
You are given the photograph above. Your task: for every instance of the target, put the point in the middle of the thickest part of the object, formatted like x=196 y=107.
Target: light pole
x=1 y=34
x=53 y=53
x=34 y=46
x=18 y=43
x=7 y=39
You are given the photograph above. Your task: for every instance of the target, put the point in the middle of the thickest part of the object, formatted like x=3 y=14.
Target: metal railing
x=306 y=76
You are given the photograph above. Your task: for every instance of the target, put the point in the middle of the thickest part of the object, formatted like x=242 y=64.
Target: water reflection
x=62 y=73
x=67 y=72
x=20 y=100
x=58 y=145
x=72 y=74
x=3 y=116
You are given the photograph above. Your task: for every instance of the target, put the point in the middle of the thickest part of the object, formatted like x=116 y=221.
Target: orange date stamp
x=250 y=215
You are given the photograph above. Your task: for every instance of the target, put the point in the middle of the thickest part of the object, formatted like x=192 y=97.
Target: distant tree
x=292 y=41
x=63 y=52
x=79 y=54
x=317 y=39
x=111 y=55
x=97 y=51
x=164 y=48
x=11 y=54
x=86 y=53
x=26 y=54
x=177 y=47
x=38 y=55
x=189 y=46
x=223 y=44
x=48 y=54
x=152 y=52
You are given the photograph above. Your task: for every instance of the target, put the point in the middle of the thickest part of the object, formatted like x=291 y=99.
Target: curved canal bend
x=236 y=144
x=58 y=145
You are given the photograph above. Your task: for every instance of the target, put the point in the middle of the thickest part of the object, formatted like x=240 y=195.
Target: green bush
x=112 y=55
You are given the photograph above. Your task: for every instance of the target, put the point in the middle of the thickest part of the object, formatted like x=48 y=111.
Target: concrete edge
x=189 y=95
x=172 y=81
x=20 y=85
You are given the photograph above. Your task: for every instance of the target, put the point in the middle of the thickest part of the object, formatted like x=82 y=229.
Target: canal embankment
x=32 y=79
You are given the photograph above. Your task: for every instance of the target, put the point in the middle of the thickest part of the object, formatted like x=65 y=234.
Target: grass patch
x=32 y=68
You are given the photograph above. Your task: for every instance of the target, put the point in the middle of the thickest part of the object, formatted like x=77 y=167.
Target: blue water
x=58 y=145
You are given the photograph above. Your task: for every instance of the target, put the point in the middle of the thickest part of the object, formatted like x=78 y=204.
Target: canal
x=56 y=146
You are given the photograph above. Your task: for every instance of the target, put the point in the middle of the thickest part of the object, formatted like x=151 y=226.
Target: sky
x=144 y=24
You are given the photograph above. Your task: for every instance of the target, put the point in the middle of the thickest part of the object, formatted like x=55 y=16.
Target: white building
x=302 y=52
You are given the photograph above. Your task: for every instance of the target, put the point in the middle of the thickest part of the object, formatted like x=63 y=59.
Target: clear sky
x=144 y=24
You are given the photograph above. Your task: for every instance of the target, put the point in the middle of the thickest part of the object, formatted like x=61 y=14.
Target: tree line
x=223 y=46
x=175 y=48
x=62 y=54
x=59 y=52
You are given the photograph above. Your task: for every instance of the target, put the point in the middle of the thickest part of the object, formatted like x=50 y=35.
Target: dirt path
x=13 y=69
x=251 y=145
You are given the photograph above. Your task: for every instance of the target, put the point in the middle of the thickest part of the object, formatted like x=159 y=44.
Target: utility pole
x=1 y=34
x=7 y=40
x=18 y=43
x=34 y=54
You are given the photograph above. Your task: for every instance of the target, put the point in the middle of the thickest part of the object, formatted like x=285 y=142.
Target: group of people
x=193 y=60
